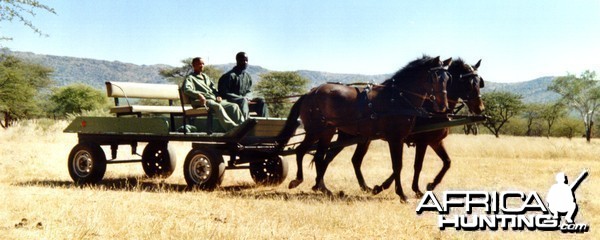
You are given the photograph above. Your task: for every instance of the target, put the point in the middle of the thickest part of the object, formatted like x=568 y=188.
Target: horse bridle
x=434 y=76
x=473 y=77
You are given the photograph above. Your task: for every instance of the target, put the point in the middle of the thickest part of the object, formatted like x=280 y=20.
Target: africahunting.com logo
x=508 y=210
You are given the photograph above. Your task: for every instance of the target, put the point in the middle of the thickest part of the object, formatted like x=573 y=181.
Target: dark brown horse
x=465 y=85
x=468 y=86
x=385 y=112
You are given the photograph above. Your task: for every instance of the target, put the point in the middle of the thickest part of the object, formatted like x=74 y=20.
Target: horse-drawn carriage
x=256 y=144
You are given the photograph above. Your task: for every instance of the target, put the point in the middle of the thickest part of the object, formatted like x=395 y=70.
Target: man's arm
x=189 y=89
x=213 y=89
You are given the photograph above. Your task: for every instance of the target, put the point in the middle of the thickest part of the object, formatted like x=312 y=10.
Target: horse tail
x=292 y=123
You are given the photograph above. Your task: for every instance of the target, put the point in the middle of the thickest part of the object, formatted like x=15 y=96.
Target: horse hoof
x=377 y=189
x=419 y=194
x=323 y=190
x=403 y=199
x=367 y=189
x=430 y=187
x=294 y=183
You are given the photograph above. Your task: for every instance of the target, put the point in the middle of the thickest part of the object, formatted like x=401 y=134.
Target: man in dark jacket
x=235 y=85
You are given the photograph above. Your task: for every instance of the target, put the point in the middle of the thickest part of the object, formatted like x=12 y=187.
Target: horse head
x=424 y=79
x=466 y=85
x=439 y=81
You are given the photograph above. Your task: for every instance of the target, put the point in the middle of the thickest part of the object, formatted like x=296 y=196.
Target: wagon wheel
x=271 y=171
x=158 y=159
x=203 y=168
x=87 y=163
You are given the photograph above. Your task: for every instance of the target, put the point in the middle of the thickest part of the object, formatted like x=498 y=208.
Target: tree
x=582 y=94
x=177 y=74
x=77 y=98
x=500 y=107
x=11 y=10
x=531 y=113
x=568 y=127
x=276 y=87
x=550 y=113
x=20 y=83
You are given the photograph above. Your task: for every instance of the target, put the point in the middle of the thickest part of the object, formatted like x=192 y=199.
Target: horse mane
x=408 y=72
x=458 y=64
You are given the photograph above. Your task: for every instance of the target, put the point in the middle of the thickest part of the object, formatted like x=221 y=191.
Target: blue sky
x=517 y=40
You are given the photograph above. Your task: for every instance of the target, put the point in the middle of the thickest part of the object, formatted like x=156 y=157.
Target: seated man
x=201 y=90
x=235 y=86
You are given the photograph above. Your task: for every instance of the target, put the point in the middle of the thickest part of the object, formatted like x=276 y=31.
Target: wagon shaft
x=453 y=122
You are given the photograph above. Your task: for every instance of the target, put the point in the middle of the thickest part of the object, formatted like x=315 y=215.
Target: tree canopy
x=21 y=10
x=550 y=113
x=77 y=98
x=581 y=94
x=500 y=107
x=277 y=86
x=20 y=84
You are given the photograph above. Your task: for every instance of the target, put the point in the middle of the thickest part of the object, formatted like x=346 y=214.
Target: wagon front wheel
x=87 y=163
x=271 y=171
x=203 y=168
x=158 y=160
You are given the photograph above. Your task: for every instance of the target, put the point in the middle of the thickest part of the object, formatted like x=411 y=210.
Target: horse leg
x=357 y=158
x=440 y=150
x=387 y=183
x=421 y=148
x=396 y=147
x=301 y=150
x=332 y=152
x=320 y=161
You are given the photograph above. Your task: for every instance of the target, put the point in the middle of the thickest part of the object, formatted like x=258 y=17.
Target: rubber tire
x=204 y=179
x=158 y=160
x=94 y=157
x=269 y=172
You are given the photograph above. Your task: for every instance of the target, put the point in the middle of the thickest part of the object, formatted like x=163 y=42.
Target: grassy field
x=39 y=200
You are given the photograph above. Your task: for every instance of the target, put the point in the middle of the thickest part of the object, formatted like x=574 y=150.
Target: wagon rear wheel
x=158 y=159
x=87 y=163
x=203 y=168
x=271 y=171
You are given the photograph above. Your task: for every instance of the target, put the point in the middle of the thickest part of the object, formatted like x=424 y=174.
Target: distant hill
x=532 y=91
x=94 y=72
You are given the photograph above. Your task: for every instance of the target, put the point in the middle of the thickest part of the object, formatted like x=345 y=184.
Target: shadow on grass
x=133 y=184
x=277 y=194
x=238 y=190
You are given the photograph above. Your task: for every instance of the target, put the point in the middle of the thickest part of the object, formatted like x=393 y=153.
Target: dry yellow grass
x=35 y=185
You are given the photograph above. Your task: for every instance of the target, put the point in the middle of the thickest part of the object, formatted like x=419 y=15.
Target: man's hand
x=202 y=99
x=219 y=99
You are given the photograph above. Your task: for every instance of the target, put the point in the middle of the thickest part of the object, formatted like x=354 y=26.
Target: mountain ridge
x=94 y=72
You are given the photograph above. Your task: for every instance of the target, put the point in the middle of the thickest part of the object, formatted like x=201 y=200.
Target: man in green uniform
x=201 y=90
x=235 y=86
